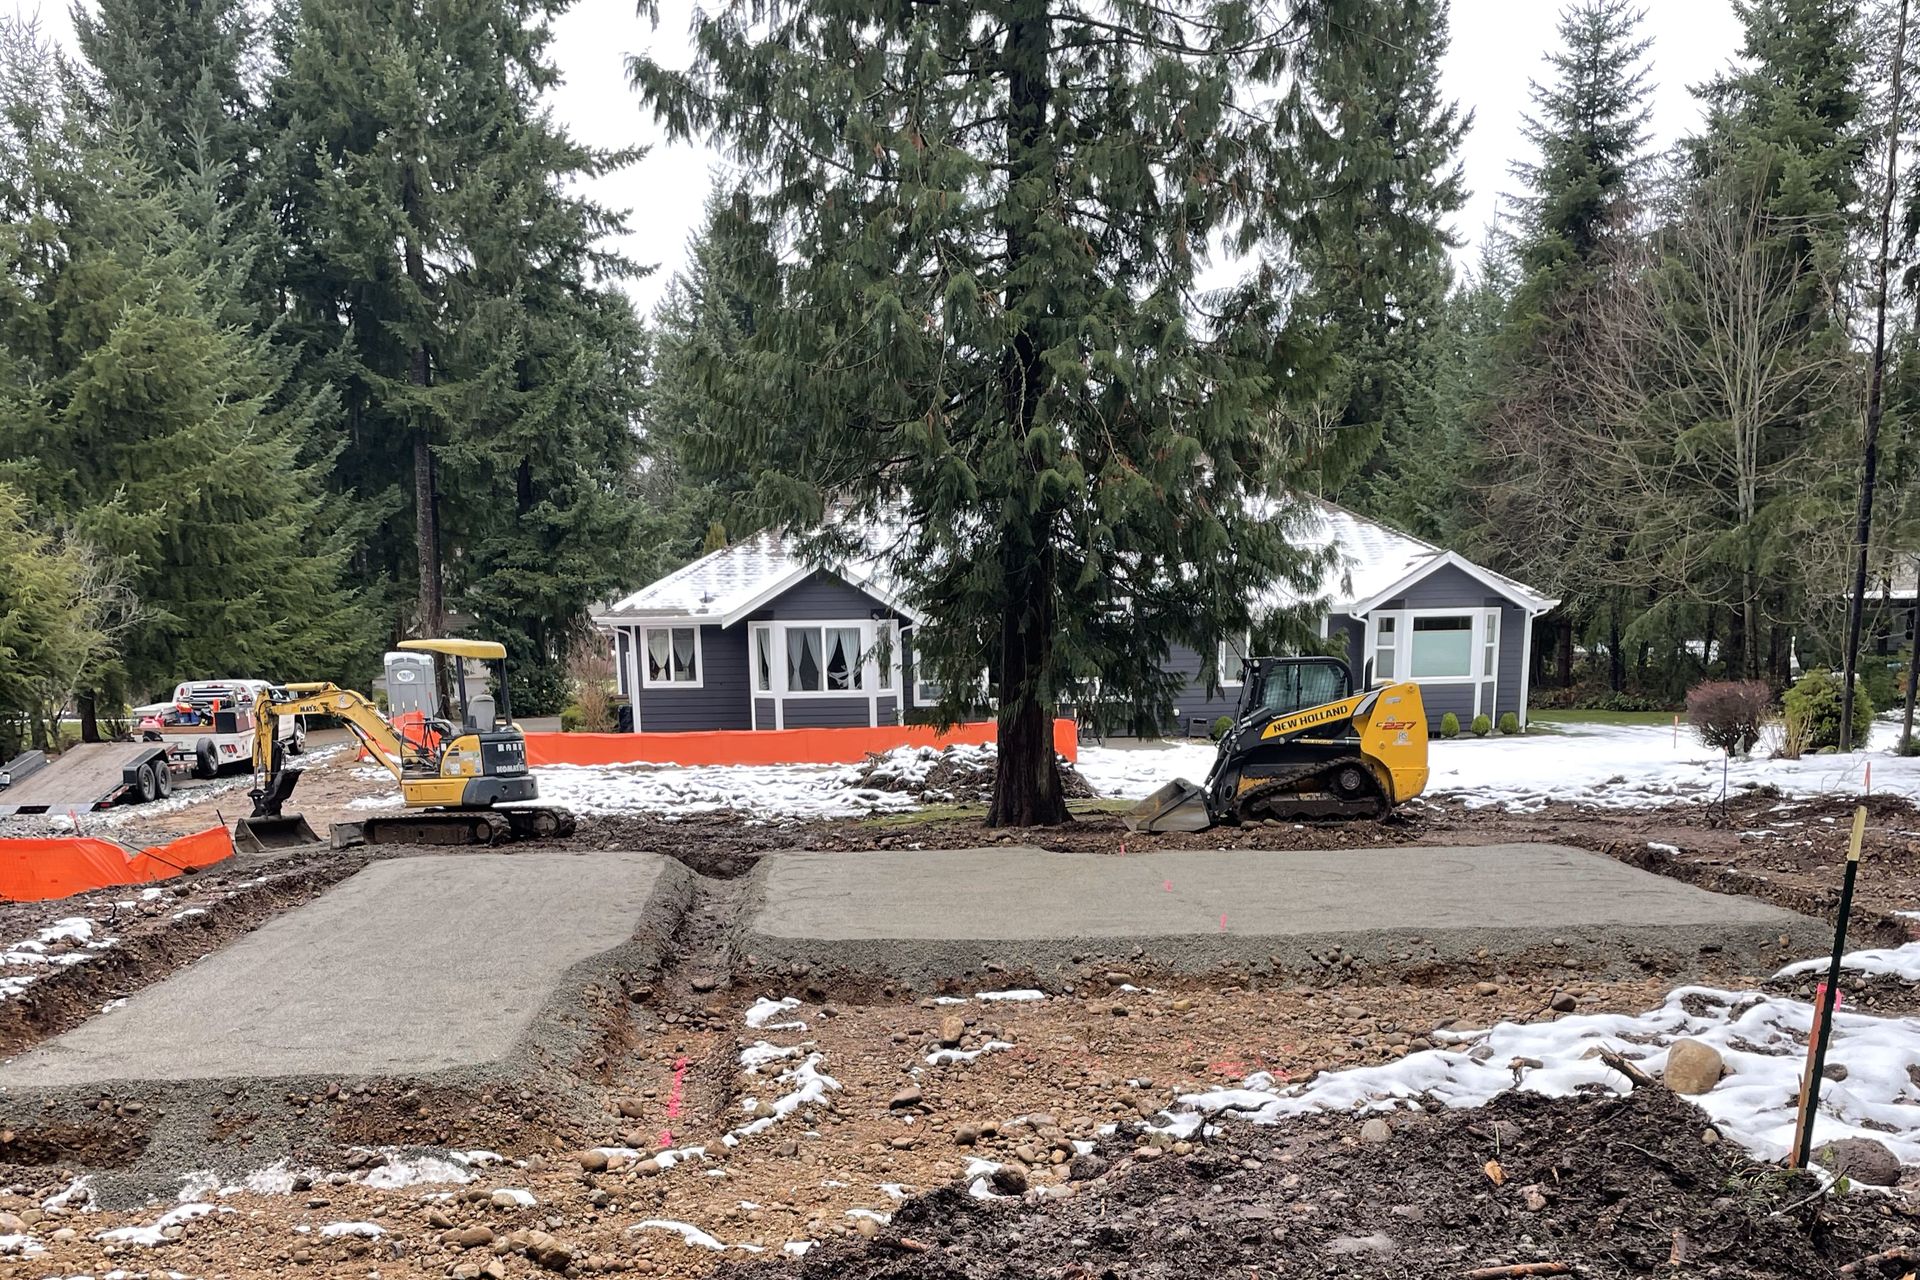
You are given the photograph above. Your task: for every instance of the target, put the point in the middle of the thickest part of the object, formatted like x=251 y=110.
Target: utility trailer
x=85 y=777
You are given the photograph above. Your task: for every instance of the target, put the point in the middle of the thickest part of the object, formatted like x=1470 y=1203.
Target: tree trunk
x=1736 y=647
x=426 y=522
x=89 y=717
x=1616 y=660
x=1026 y=787
x=1566 y=653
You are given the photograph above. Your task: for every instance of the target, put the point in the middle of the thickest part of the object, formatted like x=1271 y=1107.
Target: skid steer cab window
x=672 y=658
x=1291 y=687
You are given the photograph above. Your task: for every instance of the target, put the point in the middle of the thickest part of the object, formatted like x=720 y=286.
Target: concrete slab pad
x=413 y=965
x=934 y=912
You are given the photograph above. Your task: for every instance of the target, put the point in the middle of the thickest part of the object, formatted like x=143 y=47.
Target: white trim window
x=1386 y=647
x=1232 y=657
x=1440 y=647
x=1490 y=646
x=760 y=643
x=825 y=660
x=886 y=653
x=622 y=642
x=671 y=658
x=926 y=693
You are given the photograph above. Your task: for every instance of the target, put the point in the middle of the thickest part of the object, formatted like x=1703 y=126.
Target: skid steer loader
x=1303 y=745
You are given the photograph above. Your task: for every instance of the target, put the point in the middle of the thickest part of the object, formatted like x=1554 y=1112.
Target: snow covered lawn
x=1620 y=766
x=1617 y=766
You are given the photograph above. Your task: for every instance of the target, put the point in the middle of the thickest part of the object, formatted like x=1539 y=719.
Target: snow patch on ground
x=156 y=1233
x=366 y=1229
x=685 y=1230
x=948 y=1057
x=760 y=1016
x=760 y=793
x=1762 y=1038
x=1022 y=994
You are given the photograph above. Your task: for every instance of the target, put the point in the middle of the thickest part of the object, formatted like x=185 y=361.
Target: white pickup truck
x=208 y=725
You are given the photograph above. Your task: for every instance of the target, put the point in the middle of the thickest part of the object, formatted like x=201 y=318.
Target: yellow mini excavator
x=462 y=783
x=1303 y=745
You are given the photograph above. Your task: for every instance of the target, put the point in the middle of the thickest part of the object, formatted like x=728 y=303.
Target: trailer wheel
x=144 y=783
x=206 y=761
x=163 y=778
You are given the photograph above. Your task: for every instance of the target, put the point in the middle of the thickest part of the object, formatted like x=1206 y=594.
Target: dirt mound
x=1605 y=1186
x=950 y=775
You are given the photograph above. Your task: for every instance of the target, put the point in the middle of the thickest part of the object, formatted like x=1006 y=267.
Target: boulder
x=1692 y=1067
x=1867 y=1161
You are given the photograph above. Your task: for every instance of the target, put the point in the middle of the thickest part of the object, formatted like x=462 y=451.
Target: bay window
x=1441 y=648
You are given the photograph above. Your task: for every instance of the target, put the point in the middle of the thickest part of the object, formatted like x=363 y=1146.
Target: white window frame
x=756 y=630
x=921 y=698
x=1235 y=678
x=647 y=681
x=869 y=674
x=622 y=643
x=1485 y=632
x=1374 y=646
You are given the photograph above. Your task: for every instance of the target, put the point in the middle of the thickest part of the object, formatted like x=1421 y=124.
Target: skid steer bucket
x=261 y=835
x=1178 y=806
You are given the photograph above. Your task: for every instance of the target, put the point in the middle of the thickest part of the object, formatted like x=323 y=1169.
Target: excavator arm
x=360 y=716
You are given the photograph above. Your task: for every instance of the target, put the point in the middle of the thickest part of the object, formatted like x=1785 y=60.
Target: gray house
x=754 y=637
x=1400 y=609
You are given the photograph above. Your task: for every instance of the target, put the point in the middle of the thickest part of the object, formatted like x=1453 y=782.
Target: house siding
x=1449 y=587
x=763 y=713
x=1351 y=634
x=824 y=597
x=1193 y=702
x=722 y=701
x=825 y=713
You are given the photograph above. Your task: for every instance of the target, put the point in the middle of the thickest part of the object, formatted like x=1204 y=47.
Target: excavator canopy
x=491 y=650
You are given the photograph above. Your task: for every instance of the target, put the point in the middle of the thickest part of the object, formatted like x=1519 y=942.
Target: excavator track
x=456 y=827
x=1284 y=797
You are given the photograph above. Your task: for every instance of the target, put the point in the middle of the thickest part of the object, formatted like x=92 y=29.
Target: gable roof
x=1373 y=563
x=724 y=586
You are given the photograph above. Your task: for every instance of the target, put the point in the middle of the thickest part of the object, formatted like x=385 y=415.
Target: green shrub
x=1816 y=697
x=1509 y=723
x=1221 y=725
x=1482 y=726
x=1449 y=725
x=571 y=718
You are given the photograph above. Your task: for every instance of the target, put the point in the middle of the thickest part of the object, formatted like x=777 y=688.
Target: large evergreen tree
x=979 y=329
x=132 y=414
x=1571 y=224
x=1381 y=144
x=445 y=279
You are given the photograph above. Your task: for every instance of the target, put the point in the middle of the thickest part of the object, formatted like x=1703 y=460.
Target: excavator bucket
x=262 y=835
x=266 y=828
x=1178 y=806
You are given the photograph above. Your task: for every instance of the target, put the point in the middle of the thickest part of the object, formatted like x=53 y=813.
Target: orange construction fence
x=59 y=867
x=767 y=746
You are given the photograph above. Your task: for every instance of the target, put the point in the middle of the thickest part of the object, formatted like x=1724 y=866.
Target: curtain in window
x=763 y=659
x=683 y=659
x=803 y=659
x=843 y=657
x=659 y=654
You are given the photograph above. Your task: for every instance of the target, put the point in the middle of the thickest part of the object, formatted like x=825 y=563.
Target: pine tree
x=171 y=75
x=978 y=326
x=132 y=415
x=697 y=333
x=444 y=279
x=1572 y=223
x=1381 y=143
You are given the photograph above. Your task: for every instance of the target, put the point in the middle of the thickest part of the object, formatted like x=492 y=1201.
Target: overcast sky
x=1497 y=46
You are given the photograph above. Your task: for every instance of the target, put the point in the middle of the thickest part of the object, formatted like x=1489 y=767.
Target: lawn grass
x=1576 y=717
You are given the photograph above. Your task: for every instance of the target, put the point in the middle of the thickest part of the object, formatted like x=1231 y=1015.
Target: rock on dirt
x=1692 y=1067
x=1863 y=1160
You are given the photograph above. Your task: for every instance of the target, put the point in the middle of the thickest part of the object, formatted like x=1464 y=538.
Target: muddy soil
x=1603 y=1187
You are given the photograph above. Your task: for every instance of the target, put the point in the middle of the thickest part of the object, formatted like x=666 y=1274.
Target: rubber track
x=1247 y=801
